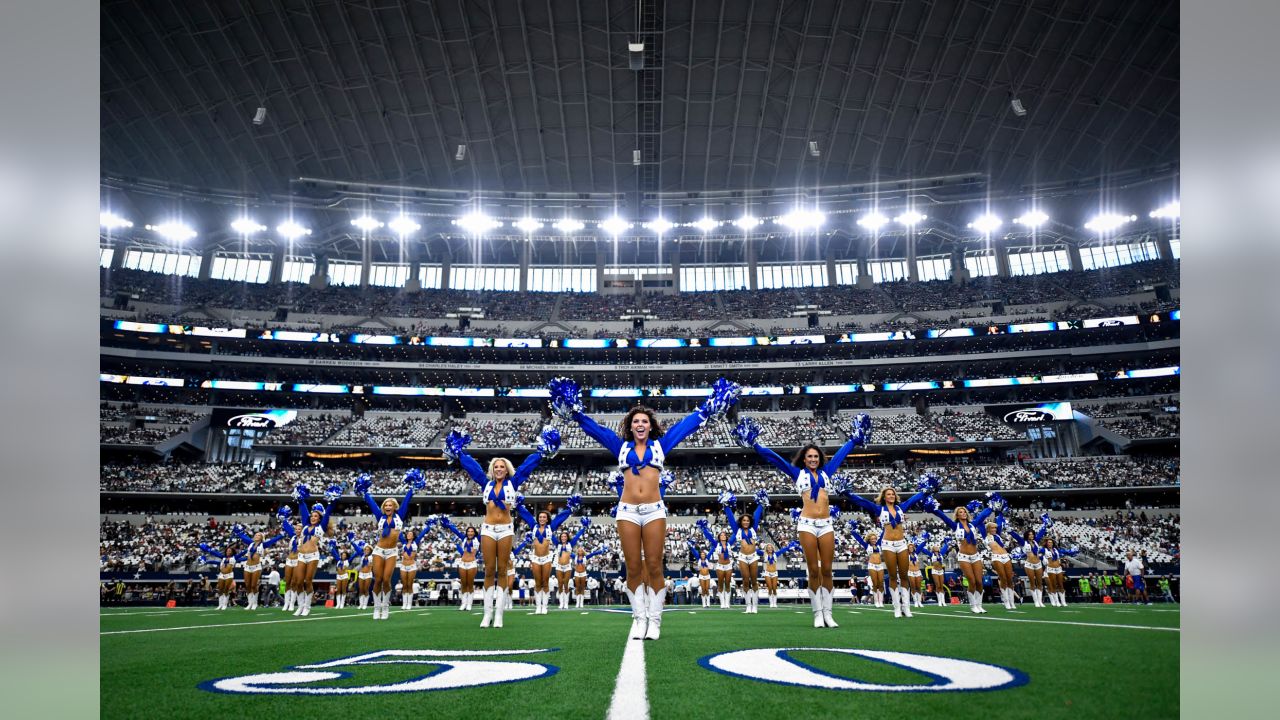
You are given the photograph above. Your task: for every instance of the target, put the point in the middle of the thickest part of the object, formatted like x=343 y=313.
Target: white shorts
x=308 y=557
x=1001 y=558
x=226 y=576
x=580 y=574
x=497 y=532
x=961 y=557
x=914 y=573
x=641 y=514
x=291 y=562
x=562 y=568
x=391 y=552
x=252 y=568
x=1053 y=570
x=543 y=559
x=467 y=565
x=876 y=566
x=816 y=527
x=768 y=574
x=748 y=559
x=408 y=568
x=511 y=571
x=365 y=576
x=893 y=545
x=723 y=567
x=1032 y=566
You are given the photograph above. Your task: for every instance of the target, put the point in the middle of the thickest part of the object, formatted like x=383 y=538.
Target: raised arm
x=759 y=513
x=794 y=544
x=333 y=550
x=913 y=500
x=862 y=502
x=937 y=512
x=528 y=538
x=706 y=531
x=524 y=513
x=601 y=434
x=946 y=547
x=777 y=461
x=682 y=429
x=598 y=551
x=444 y=520
x=693 y=550
x=239 y=530
x=586 y=523
x=210 y=551
x=561 y=516
x=853 y=532
x=473 y=468
x=526 y=469
x=858 y=435
x=1016 y=537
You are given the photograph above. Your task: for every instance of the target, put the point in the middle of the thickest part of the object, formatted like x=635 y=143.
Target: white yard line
x=219 y=625
x=630 y=698
x=969 y=616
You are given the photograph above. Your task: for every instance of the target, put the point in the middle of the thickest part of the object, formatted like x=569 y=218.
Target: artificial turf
x=1084 y=669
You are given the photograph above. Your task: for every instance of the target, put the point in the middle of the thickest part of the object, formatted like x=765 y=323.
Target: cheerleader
x=744 y=539
x=915 y=579
x=469 y=558
x=254 y=551
x=967 y=556
x=341 y=574
x=409 y=562
x=227 y=561
x=290 y=562
x=542 y=556
x=580 y=570
x=641 y=453
x=938 y=573
x=722 y=553
x=498 y=493
x=812 y=474
x=1032 y=564
x=1053 y=571
x=564 y=563
x=875 y=566
x=704 y=572
x=894 y=548
x=364 y=577
x=390 y=516
x=510 y=582
x=1001 y=563
x=316 y=527
x=770 y=574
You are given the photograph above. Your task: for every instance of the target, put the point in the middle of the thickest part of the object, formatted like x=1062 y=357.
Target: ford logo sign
x=251 y=421
x=1028 y=416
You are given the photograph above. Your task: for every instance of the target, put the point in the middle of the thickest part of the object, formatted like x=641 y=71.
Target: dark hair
x=538 y=517
x=798 y=458
x=655 y=427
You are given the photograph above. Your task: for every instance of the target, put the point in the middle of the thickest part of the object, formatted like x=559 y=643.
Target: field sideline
x=1080 y=661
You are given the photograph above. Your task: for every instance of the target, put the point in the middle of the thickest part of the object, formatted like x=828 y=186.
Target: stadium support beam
x=599 y=268
x=959 y=273
x=913 y=268
x=752 y=264
x=320 y=278
x=1163 y=248
x=526 y=259
x=366 y=262
x=446 y=264
x=206 y=263
x=120 y=249
x=413 y=283
x=831 y=266
x=1073 y=255
x=675 y=266
x=277 y=267
x=1002 y=261
x=864 y=274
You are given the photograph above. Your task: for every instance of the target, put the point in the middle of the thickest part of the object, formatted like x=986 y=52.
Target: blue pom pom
x=301 y=493
x=332 y=493
x=549 y=442
x=746 y=432
x=363 y=483
x=929 y=483
x=284 y=512
x=860 y=429
x=995 y=502
x=795 y=513
x=415 y=480
x=454 y=442
x=841 y=484
x=973 y=507
x=727 y=498
x=618 y=481
x=574 y=501
x=931 y=504
x=724 y=394
x=762 y=498
x=566 y=397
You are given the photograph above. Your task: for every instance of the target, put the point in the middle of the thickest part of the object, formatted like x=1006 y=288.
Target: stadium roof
x=543 y=96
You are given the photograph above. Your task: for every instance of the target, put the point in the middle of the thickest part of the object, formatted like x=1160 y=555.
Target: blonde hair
x=883 y=490
x=511 y=469
x=391 y=500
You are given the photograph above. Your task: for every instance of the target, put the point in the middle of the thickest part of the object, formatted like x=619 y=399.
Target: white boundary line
x=630 y=697
x=1043 y=622
x=242 y=624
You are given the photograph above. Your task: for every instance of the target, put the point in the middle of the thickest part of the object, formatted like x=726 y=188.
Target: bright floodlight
x=800 y=219
x=366 y=223
x=1172 y=211
x=291 y=230
x=707 y=224
x=569 y=225
x=1107 y=222
x=659 y=225
x=477 y=223
x=112 y=221
x=747 y=222
x=403 y=226
x=986 y=224
x=527 y=225
x=909 y=218
x=245 y=226
x=1032 y=219
x=615 y=226
x=174 y=231
x=873 y=221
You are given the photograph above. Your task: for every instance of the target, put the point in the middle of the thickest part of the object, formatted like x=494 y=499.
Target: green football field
x=1083 y=661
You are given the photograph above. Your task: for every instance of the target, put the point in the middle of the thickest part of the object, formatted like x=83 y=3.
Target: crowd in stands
x=1164 y=425
x=127 y=435
x=886 y=298
x=307 y=430
x=389 y=431
x=1108 y=538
